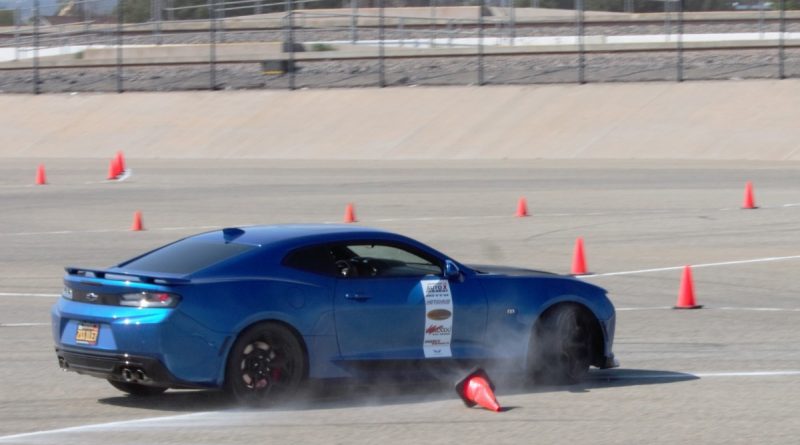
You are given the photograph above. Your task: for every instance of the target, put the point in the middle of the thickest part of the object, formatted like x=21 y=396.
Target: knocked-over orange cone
x=749 y=202
x=121 y=161
x=579 y=259
x=137 y=222
x=113 y=169
x=349 y=214
x=522 y=208
x=477 y=389
x=41 y=177
x=686 y=294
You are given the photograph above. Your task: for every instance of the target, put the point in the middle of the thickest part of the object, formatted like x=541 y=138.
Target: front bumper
x=120 y=367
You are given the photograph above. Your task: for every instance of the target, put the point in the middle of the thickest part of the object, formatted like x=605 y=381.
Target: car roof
x=293 y=234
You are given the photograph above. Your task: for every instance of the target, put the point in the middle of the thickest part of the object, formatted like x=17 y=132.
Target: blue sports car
x=257 y=310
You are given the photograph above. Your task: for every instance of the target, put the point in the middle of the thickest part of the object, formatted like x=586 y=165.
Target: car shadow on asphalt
x=333 y=394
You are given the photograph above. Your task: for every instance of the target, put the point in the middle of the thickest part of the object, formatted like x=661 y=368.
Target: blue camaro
x=257 y=310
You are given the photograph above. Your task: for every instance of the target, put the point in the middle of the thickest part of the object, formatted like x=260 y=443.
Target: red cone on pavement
x=522 y=208
x=121 y=161
x=41 y=177
x=749 y=201
x=477 y=389
x=579 y=259
x=686 y=294
x=113 y=169
x=349 y=214
x=137 y=222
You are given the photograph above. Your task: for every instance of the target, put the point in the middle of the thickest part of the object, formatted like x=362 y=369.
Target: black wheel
x=267 y=363
x=560 y=347
x=136 y=389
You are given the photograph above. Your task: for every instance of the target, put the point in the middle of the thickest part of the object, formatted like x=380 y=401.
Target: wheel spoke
x=268 y=364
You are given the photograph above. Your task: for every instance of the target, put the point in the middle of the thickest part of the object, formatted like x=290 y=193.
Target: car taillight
x=149 y=299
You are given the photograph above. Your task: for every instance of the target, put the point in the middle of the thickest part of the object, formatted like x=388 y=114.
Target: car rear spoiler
x=144 y=278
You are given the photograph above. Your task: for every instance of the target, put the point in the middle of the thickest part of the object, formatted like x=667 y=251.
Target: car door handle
x=358 y=296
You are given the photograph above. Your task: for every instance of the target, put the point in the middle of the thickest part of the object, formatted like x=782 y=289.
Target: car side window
x=318 y=259
x=364 y=260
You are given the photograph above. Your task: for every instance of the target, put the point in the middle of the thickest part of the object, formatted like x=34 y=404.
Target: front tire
x=136 y=389
x=560 y=347
x=267 y=363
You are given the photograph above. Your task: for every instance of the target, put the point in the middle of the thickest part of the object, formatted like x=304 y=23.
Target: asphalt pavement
x=727 y=373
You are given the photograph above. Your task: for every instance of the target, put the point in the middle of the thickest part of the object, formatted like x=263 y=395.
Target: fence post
x=291 y=67
x=679 y=64
x=581 y=49
x=480 y=42
x=120 y=18
x=433 y=23
x=381 y=49
x=354 y=21
x=212 y=44
x=782 y=42
x=512 y=20
x=35 y=46
x=17 y=20
x=157 y=7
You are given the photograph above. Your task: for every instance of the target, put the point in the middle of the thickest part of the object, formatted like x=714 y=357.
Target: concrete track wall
x=690 y=120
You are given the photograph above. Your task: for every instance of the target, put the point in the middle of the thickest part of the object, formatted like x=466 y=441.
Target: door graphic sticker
x=438 y=318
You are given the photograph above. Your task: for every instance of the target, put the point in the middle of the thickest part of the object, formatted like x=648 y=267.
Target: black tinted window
x=382 y=260
x=185 y=257
x=317 y=259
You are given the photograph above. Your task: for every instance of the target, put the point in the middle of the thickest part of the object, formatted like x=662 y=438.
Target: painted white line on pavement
x=100 y=426
x=22 y=325
x=14 y=294
x=749 y=374
x=614 y=375
x=413 y=219
x=744 y=309
x=74 y=232
x=682 y=374
x=694 y=266
x=758 y=309
x=657 y=308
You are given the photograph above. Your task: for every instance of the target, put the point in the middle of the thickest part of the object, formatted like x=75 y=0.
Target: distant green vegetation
x=322 y=47
x=6 y=17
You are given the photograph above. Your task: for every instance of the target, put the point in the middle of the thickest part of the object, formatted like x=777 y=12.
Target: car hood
x=483 y=269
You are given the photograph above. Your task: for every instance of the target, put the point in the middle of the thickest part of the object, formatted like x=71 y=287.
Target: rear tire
x=266 y=364
x=560 y=347
x=136 y=389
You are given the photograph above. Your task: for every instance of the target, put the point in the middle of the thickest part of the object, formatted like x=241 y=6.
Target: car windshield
x=185 y=257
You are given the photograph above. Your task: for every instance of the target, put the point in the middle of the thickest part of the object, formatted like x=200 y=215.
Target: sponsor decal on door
x=438 y=318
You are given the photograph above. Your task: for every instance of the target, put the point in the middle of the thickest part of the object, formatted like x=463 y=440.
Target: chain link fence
x=169 y=45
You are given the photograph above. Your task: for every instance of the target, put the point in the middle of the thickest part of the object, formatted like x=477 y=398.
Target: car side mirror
x=451 y=270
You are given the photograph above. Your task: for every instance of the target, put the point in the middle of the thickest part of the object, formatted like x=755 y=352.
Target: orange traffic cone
x=137 y=222
x=113 y=169
x=686 y=294
x=522 y=208
x=349 y=214
x=579 y=259
x=41 y=177
x=477 y=389
x=121 y=161
x=749 y=201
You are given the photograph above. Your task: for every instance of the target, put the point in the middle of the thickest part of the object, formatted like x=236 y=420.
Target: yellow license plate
x=87 y=333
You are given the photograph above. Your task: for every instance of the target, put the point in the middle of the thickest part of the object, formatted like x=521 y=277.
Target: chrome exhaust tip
x=140 y=375
x=127 y=375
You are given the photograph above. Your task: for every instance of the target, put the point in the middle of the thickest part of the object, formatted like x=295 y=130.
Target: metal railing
x=294 y=45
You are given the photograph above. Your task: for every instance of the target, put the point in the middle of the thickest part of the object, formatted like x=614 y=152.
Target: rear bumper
x=120 y=367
